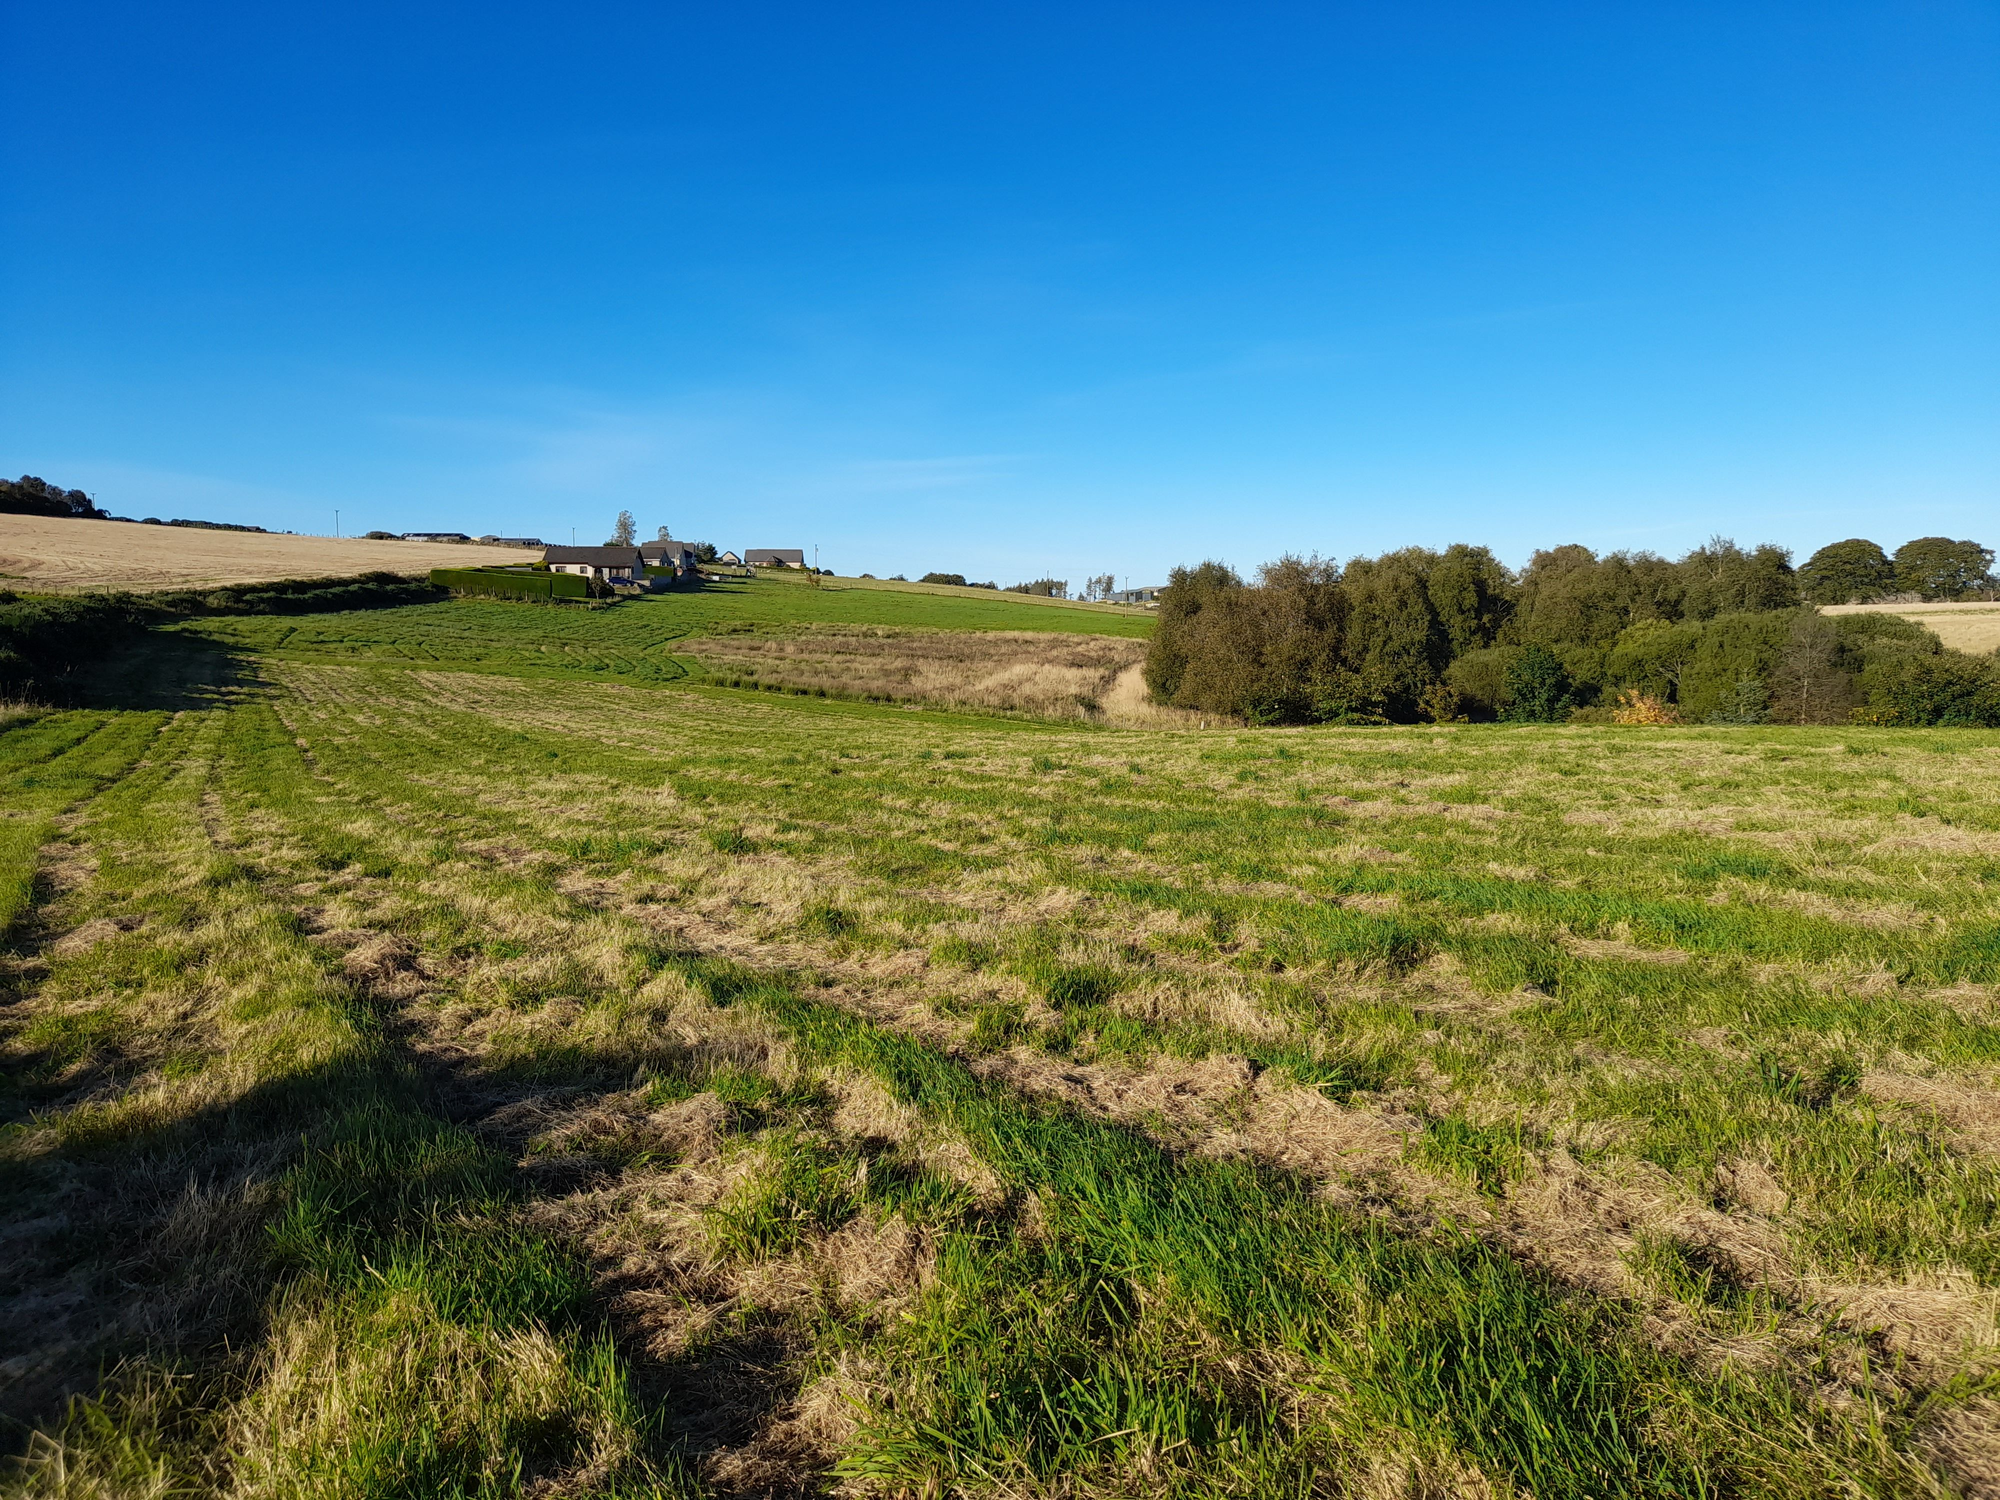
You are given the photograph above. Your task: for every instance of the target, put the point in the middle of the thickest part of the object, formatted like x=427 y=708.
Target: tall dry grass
x=1050 y=676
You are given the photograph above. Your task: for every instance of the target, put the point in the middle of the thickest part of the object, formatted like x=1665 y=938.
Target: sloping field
x=561 y=1080
x=1040 y=672
x=44 y=554
x=1963 y=627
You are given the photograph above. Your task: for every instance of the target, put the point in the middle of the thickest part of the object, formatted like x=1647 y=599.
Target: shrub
x=43 y=640
x=495 y=584
x=1746 y=702
x=1635 y=707
x=1729 y=651
x=1916 y=688
x=1480 y=680
x=1189 y=592
x=1269 y=654
x=951 y=578
x=1440 y=704
x=296 y=596
x=1538 y=688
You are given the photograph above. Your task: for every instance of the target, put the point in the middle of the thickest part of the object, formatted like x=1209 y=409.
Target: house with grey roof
x=775 y=557
x=669 y=554
x=606 y=564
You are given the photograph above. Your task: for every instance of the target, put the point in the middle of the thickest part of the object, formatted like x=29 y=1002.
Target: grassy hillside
x=438 y=1083
x=637 y=639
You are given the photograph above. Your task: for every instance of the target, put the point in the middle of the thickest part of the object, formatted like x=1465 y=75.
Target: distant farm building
x=435 y=536
x=1149 y=595
x=775 y=557
x=512 y=541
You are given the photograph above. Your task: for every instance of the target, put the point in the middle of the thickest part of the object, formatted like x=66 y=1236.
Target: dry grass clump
x=1048 y=675
x=359 y=1400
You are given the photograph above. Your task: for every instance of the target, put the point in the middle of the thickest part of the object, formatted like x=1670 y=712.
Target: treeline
x=30 y=496
x=46 y=639
x=1723 y=635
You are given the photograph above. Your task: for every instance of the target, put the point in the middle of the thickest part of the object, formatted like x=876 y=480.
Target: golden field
x=53 y=554
x=1963 y=627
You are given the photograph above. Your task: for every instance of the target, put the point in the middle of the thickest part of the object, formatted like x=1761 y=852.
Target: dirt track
x=41 y=553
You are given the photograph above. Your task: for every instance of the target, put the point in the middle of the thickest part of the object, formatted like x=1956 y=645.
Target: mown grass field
x=453 y=1056
x=636 y=641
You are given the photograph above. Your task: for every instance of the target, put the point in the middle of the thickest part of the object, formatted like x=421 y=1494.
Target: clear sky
x=1008 y=289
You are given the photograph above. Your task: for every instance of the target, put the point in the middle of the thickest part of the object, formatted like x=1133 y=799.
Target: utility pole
x=572 y=536
x=336 y=525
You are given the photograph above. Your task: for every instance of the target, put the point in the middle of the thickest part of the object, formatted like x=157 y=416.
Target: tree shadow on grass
x=162 y=670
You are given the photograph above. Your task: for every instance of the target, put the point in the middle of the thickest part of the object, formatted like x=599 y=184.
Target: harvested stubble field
x=441 y=1082
x=1973 y=627
x=46 y=555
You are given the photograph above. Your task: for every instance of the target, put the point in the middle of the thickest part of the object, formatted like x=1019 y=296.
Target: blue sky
x=1011 y=289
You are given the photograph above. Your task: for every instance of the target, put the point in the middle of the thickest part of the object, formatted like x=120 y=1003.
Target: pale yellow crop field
x=1963 y=627
x=51 y=554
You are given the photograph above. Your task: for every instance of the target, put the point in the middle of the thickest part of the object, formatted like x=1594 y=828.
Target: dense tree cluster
x=1725 y=634
x=1931 y=567
x=29 y=496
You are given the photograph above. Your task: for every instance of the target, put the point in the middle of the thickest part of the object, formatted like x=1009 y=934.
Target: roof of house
x=597 y=557
x=793 y=555
x=651 y=550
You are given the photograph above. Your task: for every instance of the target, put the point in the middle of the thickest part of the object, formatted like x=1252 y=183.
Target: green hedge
x=46 y=639
x=500 y=585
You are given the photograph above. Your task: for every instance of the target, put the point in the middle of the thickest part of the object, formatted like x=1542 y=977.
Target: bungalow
x=1149 y=595
x=731 y=560
x=610 y=564
x=775 y=557
x=435 y=536
x=676 y=555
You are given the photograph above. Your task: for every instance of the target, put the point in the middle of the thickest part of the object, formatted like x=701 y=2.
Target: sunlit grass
x=578 y=1084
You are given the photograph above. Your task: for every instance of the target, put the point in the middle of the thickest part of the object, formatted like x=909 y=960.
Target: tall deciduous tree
x=1849 y=572
x=1939 y=568
x=625 y=532
x=1724 y=579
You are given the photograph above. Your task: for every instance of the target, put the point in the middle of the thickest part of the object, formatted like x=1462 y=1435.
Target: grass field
x=47 y=555
x=448 y=1053
x=643 y=640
